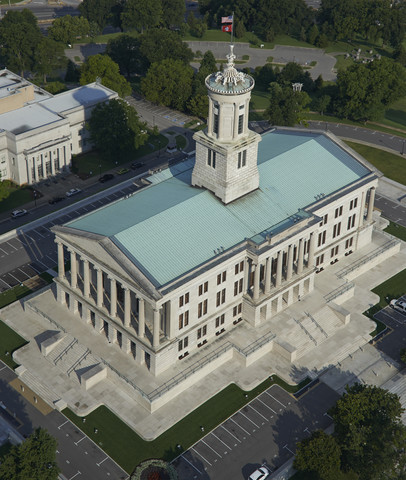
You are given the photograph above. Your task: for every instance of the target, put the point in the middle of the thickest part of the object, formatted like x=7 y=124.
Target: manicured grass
x=18 y=196
x=180 y=142
x=397 y=231
x=13 y=294
x=9 y=341
x=392 y=166
x=128 y=449
x=342 y=62
x=395 y=115
x=259 y=99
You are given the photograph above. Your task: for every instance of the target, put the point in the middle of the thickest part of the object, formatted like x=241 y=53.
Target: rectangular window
x=211 y=158
x=322 y=238
x=240 y=123
x=353 y=203
x=203 y=288
x=183 y=343
x=216 y=123
x=349 y=242
x=319 y=260
x=201 y=332
x=351 y=222
x=221 y=277
x=183 y=299
x=242 y=159
x=338 y=212
x=237 y=309
x=239 y=267
x=334 y=251
x=220 y=320
x=202 y=308
x=336 y=230
x=324 y=220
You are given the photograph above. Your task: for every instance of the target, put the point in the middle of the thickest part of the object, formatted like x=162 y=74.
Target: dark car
x=135 y=166
x=56 y=200
x=106 y=177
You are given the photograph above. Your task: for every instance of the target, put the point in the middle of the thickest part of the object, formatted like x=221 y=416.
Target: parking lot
x=266 y=430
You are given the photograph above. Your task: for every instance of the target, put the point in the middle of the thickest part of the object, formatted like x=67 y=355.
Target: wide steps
x=32 y=382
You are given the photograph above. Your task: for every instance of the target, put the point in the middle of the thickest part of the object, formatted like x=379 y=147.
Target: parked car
x=73 y=191
x=399 y=305
x=56 y=200
x=122 y=171
x=106 y=177
x=18 y=213
x=259 y=474
x=135 y=166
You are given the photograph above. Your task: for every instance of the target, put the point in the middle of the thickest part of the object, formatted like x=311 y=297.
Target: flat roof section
x=170 y=227
x=27 y=118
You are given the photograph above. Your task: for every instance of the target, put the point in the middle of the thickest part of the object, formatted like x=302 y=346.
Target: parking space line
x=276 y=400
x=11 y=245
x=222 y=426
x=289 y=450
x=260 y=414
x=211 y=448
x=76 y=474
x=40 y=234
x=219 y=439
x=62 y=424
x=76 y=443
x=238 y=425
x=248 y=418
x=191 y=464
x=3 y=251
x=273 y=398
x=24 y=273
x=5 y=283
x=98 y=464
x=267 y=406
x=15 y=278
x=193 y=448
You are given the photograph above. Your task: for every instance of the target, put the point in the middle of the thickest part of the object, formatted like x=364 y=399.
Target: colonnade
x=56 y=162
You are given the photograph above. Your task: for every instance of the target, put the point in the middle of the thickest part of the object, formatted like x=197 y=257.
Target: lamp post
x=99 y=171
x=403 y=147
x=35 y=198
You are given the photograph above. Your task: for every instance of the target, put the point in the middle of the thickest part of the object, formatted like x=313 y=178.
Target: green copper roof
x=170 y=227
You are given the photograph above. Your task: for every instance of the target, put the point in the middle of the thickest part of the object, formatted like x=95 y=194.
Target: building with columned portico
x=236 y=236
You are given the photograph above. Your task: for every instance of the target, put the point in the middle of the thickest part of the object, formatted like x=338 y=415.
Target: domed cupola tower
x=226 y=152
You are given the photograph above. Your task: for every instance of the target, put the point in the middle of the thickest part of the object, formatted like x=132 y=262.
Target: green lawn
x=18 y=196
x=13 y=294
x=395 y=115
x=391 y=165
x=180 y=142
x=259 y=99
x=9 y=341
x=342 y=62
x=128 y=449
x=396 y=230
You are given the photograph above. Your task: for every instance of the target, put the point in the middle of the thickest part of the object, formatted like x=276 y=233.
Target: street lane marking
x=286 y=446
x=248 y=419
x=276 y=400
x=260 y=414
x=238 y=425
x=267 y=406
x=201 y=456
x=211 y=448
x=98 y=464
x=227 y=432
x=60 y=426
x=191 y=464
x=219 y=439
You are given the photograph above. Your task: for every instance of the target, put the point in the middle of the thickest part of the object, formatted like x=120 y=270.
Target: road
x=43 y=11
x=77 y=456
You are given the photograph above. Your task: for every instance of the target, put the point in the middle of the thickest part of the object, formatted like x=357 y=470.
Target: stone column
x=112 y=334
x=86 y=278
x=113 y=297
x=210 y=117
x=44 y=166
x=312 y=241
x=99 y=287
x=139 y=354
x=268 y=265
x=236 y=113
x=61 y=261
x=34 y=164
x=362 y=210
x=73 y=269
x=51 y=159
x=279 y=269
x=246 y=275
x=300 y=256
x=256 y=281
x=141 y=318
x=155 y=333
x=371 y=204
x=127 y=307
x=125 y=344
x=289 y=269
x=29 y=170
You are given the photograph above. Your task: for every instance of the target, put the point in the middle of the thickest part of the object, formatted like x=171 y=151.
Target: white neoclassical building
x=40 y=132
x=234 y=237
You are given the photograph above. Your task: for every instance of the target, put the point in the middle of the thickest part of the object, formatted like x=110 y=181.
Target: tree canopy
x=125 y=51
x=34 y=458
x=19 y=38
x=286 y=107
x=49 y=56
x=141 y=14
x=116 y=128
x=173 y=12
x=102 y=66
x=65 y=29
x=98 y=11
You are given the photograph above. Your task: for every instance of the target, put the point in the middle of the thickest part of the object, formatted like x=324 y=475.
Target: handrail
x=36 y=310
x=65 y=350
x=255 y=345
x=306 y=331
x=78 y=361
x=317 y=324
x=338 y=291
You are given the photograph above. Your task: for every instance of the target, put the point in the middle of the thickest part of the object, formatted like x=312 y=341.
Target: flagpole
x=232 y=29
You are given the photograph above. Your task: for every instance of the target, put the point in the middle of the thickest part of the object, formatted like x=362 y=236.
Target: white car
x=399 y=305
x=18 y=213
x=259 y=474
x=73 y=191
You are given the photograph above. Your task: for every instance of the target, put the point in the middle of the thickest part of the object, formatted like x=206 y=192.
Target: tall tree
x=286 y=107
x=125 y=51
x=98 y=11
x=173 y=12
x=168 y=83
x=34 y=458
x=102 y=66
x=65 y=29
x=115 y=128
x=49 y=56
x=19 y=38
x=141 y=14
x=370 y=432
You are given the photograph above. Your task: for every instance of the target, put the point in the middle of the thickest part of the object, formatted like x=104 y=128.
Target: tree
x=160 y=44
x=125 y=51
x=319 y=455
x=102 y=66
x=34 y=458
x=115 y=128
x=98 y=11
x=265 y=76
x=313 y=34
x=173 y=12
x=207 y=66
x=19 y=38
x=141 y=14
x=49 y=56
x=72 y=72
x=321 y=103
x=168 y=83
x=370 y=432
x=292 y=72
x=199 y=105
x=66 y=29
x=286 y=106
x=197 y=27
x=399 y=55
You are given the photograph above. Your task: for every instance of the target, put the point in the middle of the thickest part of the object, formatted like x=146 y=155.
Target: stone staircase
x=37 y=386
x=400 y=389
